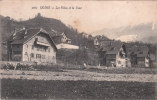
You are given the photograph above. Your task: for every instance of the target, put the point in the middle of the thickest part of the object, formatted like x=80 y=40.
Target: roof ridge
x=32 y=28
x=19 y=30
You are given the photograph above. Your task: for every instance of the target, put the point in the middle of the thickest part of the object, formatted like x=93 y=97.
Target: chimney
x=14 y=32
x=25 y=31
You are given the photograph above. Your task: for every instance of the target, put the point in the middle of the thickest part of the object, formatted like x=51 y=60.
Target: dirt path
x=76 y=75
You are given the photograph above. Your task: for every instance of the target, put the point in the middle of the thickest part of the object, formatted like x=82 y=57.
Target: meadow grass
x=35 y=89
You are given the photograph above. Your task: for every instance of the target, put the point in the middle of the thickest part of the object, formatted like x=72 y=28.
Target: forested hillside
x=8 y=25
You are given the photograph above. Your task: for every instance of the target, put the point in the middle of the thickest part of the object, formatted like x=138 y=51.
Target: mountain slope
x=142 y=32
x=8 y=26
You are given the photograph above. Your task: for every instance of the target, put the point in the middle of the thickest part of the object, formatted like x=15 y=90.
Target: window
x=48 y=49
x=32 y=55
x=119 y=62
x=44 y=49
x=38 y=55
x=17 y=46
x=140 y=52
x=17 y=52
x=26 y=53
x=112 y=48
x=38 y=48
x=43 y=56
x=32 y=47
x=41 y=49
x=53 y=57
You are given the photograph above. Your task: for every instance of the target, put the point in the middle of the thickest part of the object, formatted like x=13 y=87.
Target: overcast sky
x=93 y=15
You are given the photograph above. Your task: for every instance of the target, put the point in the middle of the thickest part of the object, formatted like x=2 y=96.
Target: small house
x=60 y=37
x=115 y=55
x=96 y=42
x=101 y=41
x=62 y=41
x=140 y=56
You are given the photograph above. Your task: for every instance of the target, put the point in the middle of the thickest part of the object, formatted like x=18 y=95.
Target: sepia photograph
x=78 y=50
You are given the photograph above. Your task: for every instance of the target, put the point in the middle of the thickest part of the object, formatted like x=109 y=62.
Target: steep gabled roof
x=113 y=48
x=57 y=36
x=140 y=51
x=25 y=35
x=57 y=39
x=55 y=33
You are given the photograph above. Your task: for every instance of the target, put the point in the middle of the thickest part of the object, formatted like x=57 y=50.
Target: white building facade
x=39 y=47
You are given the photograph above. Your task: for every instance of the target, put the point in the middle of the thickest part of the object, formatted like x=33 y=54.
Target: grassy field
x=99 y=69
x=81 y=89
x=111 y=70
x=35 y=89
x=126 y=70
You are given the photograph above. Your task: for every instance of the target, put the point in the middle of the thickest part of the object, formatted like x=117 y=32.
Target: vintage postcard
x=75 y=49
